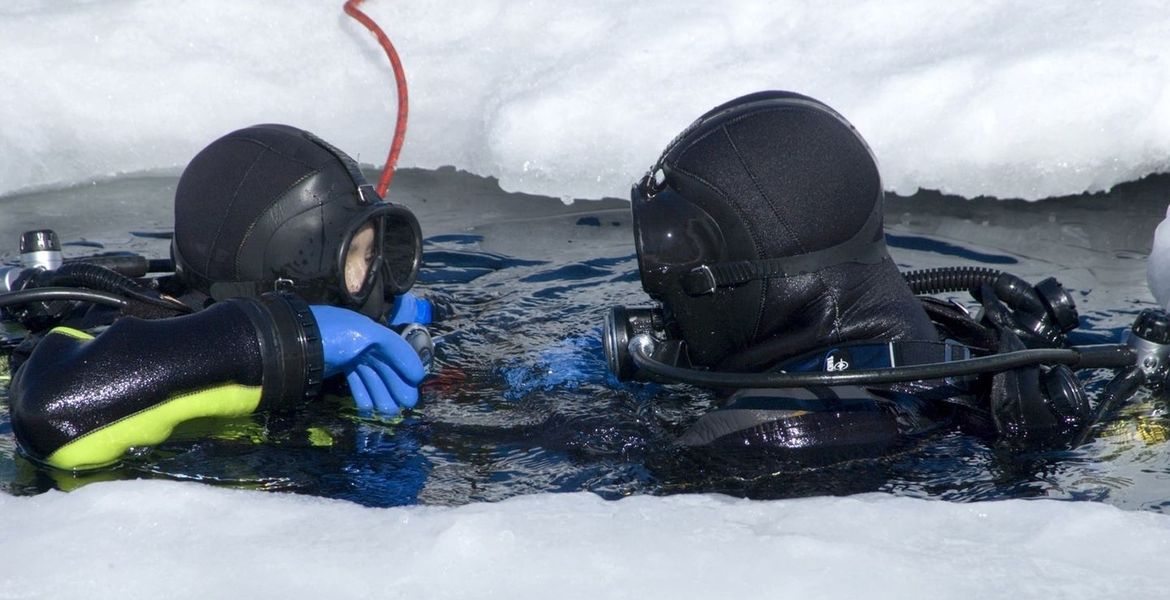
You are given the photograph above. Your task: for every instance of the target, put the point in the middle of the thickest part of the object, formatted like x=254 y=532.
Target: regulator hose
x=949 y=279
x=1099 y=356
x=49 y=294
x=1120 y=389
x=103 y=279
x=1014 y=291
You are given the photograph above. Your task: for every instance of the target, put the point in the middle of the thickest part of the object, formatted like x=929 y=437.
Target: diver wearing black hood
x=779 y=183
x=272 y=206
x=759 y=231
x=295 y=257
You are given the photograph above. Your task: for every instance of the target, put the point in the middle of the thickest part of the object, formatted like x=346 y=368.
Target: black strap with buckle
x=867 y=246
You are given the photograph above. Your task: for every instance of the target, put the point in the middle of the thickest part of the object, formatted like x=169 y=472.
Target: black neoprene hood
x=748 y=223
x=273 y=205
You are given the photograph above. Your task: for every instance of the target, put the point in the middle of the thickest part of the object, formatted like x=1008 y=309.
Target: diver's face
x=358 y=258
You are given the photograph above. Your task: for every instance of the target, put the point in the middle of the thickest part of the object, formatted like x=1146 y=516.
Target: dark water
x=521 y=401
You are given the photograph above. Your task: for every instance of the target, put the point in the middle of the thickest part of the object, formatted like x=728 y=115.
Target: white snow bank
x=140 y=539
x=577 y=99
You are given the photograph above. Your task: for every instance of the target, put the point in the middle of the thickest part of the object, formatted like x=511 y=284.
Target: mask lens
x=671 y=235
x=386 y=242
x=401 y=249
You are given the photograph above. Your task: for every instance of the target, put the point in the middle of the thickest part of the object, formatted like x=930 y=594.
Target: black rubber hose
x=1105 y=356
x=126 y=263
x=949 y=279
x=1014 y=291
x=48 y=294
x=105 y=279
x=1120 y=389
x=130 y=265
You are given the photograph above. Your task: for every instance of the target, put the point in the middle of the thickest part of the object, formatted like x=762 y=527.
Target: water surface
x=521 y=402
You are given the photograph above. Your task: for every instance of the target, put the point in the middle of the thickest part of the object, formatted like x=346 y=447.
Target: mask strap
x=222 y=290
x=867 y=246
x=366 y=192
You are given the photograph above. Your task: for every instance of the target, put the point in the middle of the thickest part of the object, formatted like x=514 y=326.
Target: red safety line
x=352 y=10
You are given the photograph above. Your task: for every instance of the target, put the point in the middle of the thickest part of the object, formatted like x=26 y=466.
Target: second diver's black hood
x=274 y=206
x=779 y=201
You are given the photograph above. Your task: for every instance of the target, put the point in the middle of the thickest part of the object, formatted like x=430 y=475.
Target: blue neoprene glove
x=409 y=308
x=382 y=369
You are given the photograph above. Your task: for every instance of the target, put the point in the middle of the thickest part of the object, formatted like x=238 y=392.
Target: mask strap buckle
x=367 y=195
x=700 y=281
x=653 y=182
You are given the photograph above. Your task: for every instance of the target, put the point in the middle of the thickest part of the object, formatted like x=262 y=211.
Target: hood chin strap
x=867 y=246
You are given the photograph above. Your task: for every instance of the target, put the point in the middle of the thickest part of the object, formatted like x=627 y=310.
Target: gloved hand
x=382 y=369
x=409 y=308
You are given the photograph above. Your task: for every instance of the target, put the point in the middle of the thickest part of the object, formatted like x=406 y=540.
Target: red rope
x=352 y=10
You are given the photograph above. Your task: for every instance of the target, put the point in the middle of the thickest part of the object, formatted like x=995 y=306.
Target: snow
x=161 y=540
x=995 y=98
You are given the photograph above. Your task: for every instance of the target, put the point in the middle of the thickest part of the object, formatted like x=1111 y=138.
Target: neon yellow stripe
x=153 y=425
x=71 y=332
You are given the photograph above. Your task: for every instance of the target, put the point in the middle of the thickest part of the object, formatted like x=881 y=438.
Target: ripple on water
x=521 y=401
